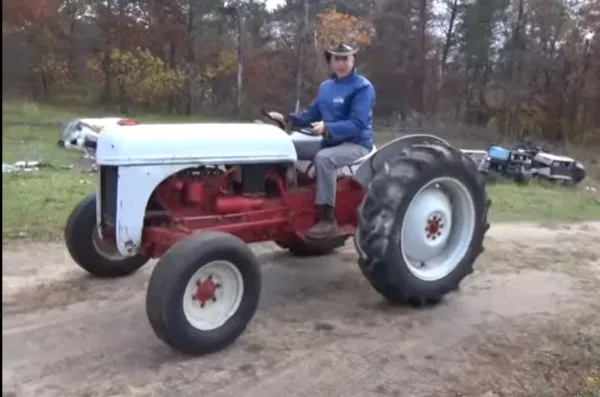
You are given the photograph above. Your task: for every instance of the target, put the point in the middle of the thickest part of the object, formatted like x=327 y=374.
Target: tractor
x=195 y=195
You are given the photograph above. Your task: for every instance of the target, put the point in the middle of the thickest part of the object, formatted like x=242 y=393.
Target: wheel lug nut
x=214 y=299
x=217 y=285
x=194 y=297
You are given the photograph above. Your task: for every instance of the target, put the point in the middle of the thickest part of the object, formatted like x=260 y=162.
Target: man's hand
x=318 y=128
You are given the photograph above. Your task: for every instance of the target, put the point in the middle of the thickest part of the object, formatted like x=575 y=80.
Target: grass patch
x=36 y=205
x=537 y=202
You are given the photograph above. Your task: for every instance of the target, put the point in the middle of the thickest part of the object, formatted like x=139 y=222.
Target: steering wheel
x=304 y=131
x=279 y=123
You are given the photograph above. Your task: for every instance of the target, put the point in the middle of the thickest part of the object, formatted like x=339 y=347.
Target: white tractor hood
x=202 y=143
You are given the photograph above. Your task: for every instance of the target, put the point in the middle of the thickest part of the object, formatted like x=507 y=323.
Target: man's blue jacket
x=346 y=107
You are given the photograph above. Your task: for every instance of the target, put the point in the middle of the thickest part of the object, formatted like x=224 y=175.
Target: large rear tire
x=203 y=292
x=89 y=251
x=422 y=224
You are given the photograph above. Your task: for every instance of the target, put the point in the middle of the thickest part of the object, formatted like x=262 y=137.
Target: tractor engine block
x=195 y=188
x=219 y=190
x=223 y=199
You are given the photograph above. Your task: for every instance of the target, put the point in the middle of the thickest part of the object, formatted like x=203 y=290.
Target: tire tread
x=78 y=239
x=388 y=191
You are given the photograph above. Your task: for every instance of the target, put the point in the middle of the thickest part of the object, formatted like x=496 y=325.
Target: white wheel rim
x=213 y=295
x=437 y=229
x=105 y=249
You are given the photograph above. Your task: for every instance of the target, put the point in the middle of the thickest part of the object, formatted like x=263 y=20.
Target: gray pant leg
x=327 y=161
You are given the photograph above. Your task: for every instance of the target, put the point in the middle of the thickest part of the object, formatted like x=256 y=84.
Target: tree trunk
x=300 y=59
x=240 y=62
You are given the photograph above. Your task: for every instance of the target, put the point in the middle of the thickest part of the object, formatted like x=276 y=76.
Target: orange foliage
x=334 y=27
x=25 y=12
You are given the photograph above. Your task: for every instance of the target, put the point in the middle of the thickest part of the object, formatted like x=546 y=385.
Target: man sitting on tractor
x=343 y=114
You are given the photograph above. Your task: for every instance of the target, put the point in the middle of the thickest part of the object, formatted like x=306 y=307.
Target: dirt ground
x=525 y=323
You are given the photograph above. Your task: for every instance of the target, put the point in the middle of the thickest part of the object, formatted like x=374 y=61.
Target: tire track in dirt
x=51 y=285
x=343 y=366
x=320 y=329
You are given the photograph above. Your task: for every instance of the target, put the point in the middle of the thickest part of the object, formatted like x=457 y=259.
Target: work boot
x=326 y=226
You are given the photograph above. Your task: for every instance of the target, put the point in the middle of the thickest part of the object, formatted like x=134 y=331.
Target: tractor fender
x=366 y=171
x=135 y=185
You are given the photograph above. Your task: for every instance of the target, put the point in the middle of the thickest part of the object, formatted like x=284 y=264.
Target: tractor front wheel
x=95 y=255
x=203 y=292
x=422 y=224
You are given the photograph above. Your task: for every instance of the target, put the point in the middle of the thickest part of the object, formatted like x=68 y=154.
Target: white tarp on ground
x=21 y=166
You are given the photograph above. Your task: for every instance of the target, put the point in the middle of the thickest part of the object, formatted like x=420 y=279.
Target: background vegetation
x=511 y=66
x=35 y=205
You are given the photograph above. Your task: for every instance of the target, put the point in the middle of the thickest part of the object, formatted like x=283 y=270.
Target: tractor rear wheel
x=98 y=257
x=203 y=292
x=422 y=224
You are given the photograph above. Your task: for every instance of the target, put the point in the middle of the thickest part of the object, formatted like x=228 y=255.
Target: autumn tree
x=142 y=77
x=516 y=66
x=29 y=28
x=333 y=27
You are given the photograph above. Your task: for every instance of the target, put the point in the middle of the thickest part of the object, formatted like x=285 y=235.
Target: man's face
x=342 y=65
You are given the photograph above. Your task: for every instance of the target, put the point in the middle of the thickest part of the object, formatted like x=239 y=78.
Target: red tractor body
x=193 y=203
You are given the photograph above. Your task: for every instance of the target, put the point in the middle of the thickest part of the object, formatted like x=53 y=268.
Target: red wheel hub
x=434 y=227
x=205 y=290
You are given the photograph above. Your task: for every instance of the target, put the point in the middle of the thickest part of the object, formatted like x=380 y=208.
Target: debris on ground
x=32 y=166
x=23 y=166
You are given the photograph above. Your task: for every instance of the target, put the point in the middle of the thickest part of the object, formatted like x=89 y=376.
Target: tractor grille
x=109 y=177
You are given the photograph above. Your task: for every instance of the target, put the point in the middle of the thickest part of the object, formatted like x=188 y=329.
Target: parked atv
x=511 y=164
x=194 y=195
x=552 y=167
